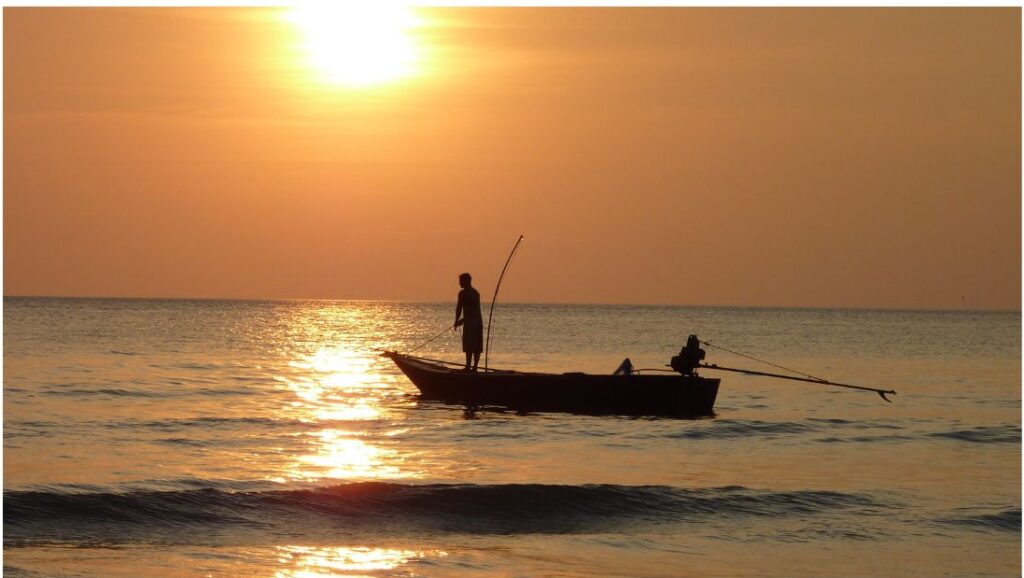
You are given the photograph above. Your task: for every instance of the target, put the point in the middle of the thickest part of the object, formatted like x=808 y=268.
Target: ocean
x=158 y=438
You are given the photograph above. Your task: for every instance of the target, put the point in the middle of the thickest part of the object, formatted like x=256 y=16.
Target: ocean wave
x=376 y=506
x=1005 y=521
x=227 y=423
x=107 y=391
x=744 y=428
x=30 y=429
x=15 y=572
x=866 y=439
x=985 y=434
x=845 y=423
x=182 y=390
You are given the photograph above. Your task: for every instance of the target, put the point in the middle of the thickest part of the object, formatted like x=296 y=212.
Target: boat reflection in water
x=337 y=562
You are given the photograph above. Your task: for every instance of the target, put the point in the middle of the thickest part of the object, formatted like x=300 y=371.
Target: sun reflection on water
x=320 y=562
x=342 y=456
x=336 y=384
x=341 y=389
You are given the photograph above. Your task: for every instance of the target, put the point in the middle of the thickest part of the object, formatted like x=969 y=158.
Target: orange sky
x=767 y=157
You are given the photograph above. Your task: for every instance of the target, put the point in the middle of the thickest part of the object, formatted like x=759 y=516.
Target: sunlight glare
x=336 y=384
x=323 y=562
x=357 y=44
x=340 y=455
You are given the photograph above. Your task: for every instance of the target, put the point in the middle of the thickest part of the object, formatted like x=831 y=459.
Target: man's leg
x=469 y=358
x=476 y=360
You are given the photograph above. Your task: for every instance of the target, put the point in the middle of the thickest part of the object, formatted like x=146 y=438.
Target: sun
x=357 y=44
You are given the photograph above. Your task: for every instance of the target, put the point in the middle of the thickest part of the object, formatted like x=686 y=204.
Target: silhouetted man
x=467 y=314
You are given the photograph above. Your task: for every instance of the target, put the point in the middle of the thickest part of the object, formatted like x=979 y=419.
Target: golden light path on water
x=337 y=387
x=318 y=562
x=351 y=416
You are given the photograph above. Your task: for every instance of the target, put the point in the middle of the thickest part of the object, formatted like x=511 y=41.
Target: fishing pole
x=709 y=344
x=881 y=392
x=443 y=331
x=807 y=377
x=490 y=315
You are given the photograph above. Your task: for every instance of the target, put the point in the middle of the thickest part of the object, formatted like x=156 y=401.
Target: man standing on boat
x=467 y=314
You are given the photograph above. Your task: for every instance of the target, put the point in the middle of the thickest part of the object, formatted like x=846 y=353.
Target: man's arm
x=458 y=309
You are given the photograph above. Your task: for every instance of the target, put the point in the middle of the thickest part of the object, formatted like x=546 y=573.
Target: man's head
x=464 y=280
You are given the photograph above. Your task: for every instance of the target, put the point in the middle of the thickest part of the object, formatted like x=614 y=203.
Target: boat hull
x=654 y=395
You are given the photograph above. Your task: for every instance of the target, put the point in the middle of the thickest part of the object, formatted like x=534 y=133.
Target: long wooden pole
x=881 y=392
x=490 y=315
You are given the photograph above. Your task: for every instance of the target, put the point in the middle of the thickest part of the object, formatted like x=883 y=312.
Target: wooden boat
x=681 y=393
x=637 y=394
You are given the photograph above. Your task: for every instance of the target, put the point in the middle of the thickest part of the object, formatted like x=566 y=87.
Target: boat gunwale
x=440 y=367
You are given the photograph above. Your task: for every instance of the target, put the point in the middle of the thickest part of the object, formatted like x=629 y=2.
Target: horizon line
x=513 y=302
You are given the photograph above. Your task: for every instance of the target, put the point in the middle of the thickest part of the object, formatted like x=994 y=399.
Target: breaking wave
x=375 y=506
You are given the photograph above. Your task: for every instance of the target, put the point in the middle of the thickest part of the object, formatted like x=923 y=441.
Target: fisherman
x=689 y=357
x=467 y=314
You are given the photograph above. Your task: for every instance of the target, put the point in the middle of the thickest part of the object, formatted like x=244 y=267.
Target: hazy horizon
x=486 y=300
x=854 y=158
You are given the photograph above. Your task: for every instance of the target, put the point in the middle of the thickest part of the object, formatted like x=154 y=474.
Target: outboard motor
x=689 y=357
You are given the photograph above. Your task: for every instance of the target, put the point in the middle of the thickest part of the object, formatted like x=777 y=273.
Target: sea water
x=270 y=439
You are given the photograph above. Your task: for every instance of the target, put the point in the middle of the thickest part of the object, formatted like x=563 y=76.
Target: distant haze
x=764 y=157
